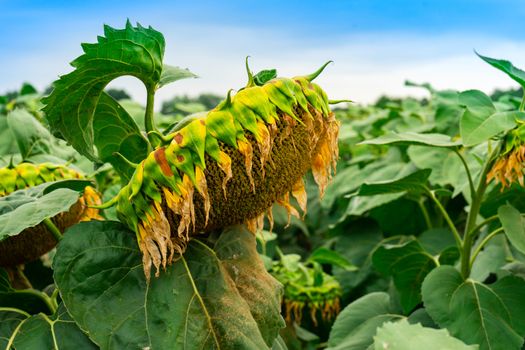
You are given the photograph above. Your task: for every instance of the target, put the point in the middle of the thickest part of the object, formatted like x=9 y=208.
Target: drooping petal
x=225 y=163
x=246 y=150
x=299 y=193
x=202 y=188
x=284 y=201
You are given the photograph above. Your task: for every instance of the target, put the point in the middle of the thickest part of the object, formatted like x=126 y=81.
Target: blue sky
x=376 y=45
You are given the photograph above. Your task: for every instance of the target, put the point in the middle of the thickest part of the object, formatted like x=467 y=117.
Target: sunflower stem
x=149 y=116
x=53 y=229
x=468 y=235
x=443 y=211
x=424 y=211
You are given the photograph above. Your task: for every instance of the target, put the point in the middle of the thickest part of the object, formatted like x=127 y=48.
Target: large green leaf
x=507 y=67
x=220 y=297
x=414 y=182
x=31 y=136
x=116 y=131
x=513 y=225
x=401 y=335
x=488 y=315
x=36 y=204
x=476 y=130
x=19 y=330
x=481 y=121
x=355 y=327
x=412 y=138
x=408 y=264
x=70 y=109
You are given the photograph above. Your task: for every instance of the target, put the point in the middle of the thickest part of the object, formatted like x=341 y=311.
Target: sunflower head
x=230 y=165
x=307 y=289
x=36 y=241
x=508 y=168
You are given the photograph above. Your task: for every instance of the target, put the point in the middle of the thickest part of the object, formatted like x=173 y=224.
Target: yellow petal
x=202 y=187
x=320 y=173
x=246 y=150
x=269 y=215
x=225 y=163
x=285 y=202
x=299 y=193
x=264 y=142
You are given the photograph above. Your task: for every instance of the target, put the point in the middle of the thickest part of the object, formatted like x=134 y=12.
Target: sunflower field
x=273 y=217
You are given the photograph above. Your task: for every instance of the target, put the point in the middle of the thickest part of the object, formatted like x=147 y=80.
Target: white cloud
x=366 y=64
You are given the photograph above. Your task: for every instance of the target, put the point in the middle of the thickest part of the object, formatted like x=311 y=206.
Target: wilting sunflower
x=508 y=168
x=306 y=289
x=38 y=240
x=229 y=165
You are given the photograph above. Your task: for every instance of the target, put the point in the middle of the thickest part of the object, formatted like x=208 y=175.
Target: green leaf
x=480 y=120
x=408 y=264
x=135 y=51
x=490 y=259
x=444 y=162
x=449 y=256
x=19 y=330
x=360 y=205
x=211 y=297
x=8 y=143
x=355 y=327
x=324 y=255
x=414 y=182
x=477 y=102
x=488 y=315
x=436 y=240
x=513 y=225
x=401 y=335
x=171 y=74
x=412 y=138
x=36 y=204
x=31 y=136
x=507 y=67
x=29 y=300
x=116 y=131
x=9 y=319
x=422 y=317
x=304 y=334
x=350 y=178
x=264 y=76
x=475 y=130
x=357 y=243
